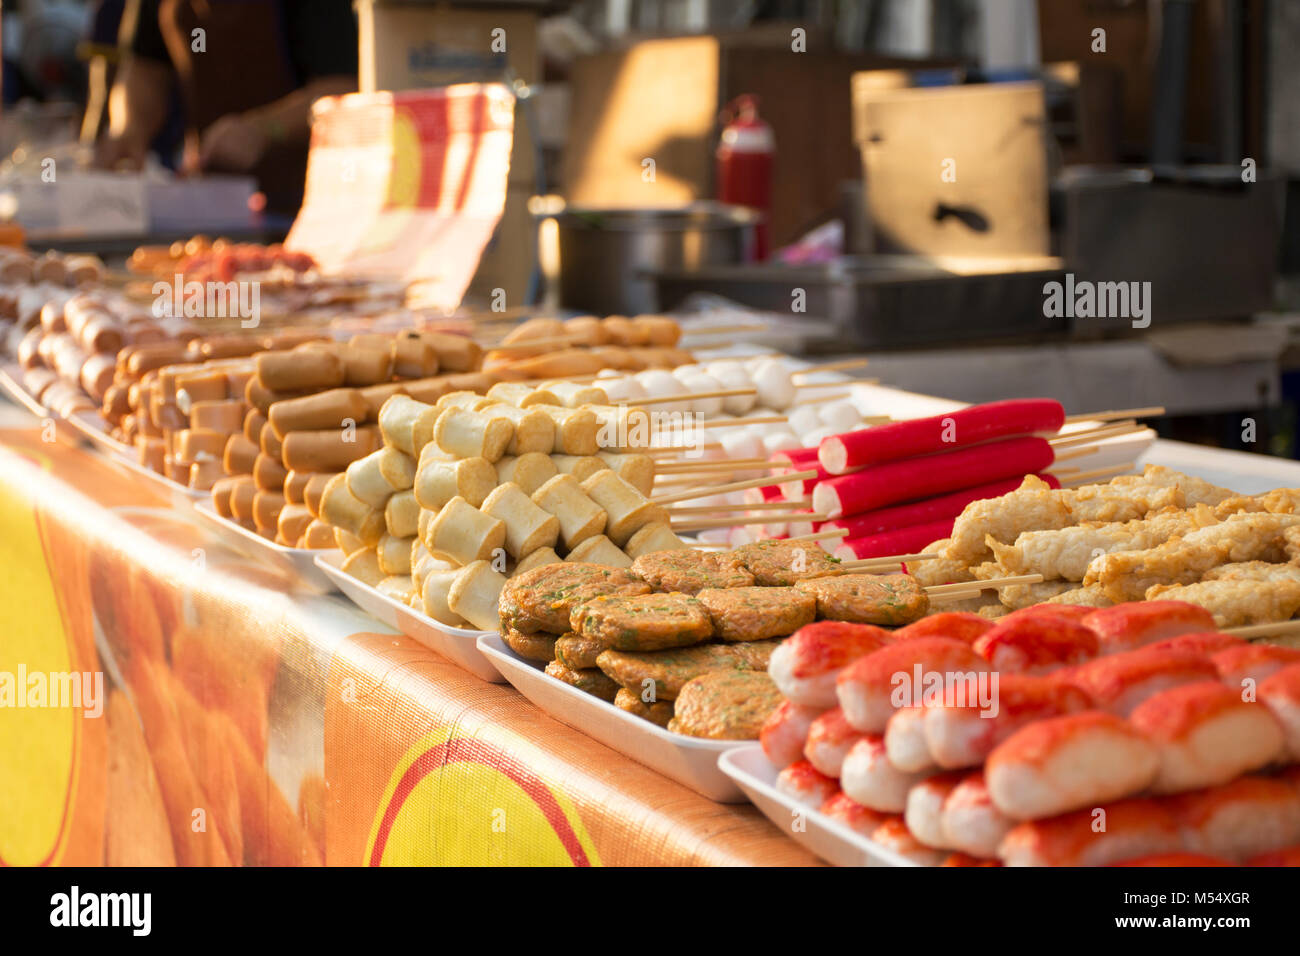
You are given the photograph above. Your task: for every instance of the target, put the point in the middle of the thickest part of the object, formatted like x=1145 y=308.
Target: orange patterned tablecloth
x=166 y=698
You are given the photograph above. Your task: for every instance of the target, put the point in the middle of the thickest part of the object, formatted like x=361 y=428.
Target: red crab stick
x=939 y=433
x=924 y=512
x=898 y=481
x=899 y=541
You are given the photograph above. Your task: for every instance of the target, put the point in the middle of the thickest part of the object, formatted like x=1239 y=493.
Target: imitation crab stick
x=897 y=541
x=898 y=481
x=939 y=433
x=924 y=512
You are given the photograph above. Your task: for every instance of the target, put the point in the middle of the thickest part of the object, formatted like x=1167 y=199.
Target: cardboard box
x=406 y=46
x=660 y=99
x=953 y=170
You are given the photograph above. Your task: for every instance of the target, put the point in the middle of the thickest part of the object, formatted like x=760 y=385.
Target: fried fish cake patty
x=647 y=622
x=690 y=571
x=725 y=705
x=592 y=681
x=661 y=675
x=776 y=564
x=577 y=652
x=883 y=599
x=657 y=712
x=543 y=598
x=531 y=647
x=754 y=614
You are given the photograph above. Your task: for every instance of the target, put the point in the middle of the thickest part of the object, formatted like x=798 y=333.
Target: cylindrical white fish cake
x=528 y=527
x=600 y=550
x=437 y=482
x=580 y=517
x=468 y=434
x=627 y=510
x=474 y=595
x=575 y=429
x=529 y=471
x=463 y=534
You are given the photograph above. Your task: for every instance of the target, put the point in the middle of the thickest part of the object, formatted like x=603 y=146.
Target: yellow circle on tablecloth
x=462 y=801
x=37 y=743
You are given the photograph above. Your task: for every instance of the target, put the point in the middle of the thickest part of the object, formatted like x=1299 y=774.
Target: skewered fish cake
x=1128 y=575
x=725 y=705
x=593 y=681
x=782 y=563
x=754 y=614
x=690 y=571
x=1066 y=552
x=885 y=599
x=940 y=570
x=647 y=622
x=1195 y=490
x=542 y=599
x=657 y=712
x=1236 y=602
x=667 y=672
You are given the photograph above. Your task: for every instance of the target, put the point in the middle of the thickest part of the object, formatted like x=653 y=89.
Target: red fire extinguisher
x=745 y=156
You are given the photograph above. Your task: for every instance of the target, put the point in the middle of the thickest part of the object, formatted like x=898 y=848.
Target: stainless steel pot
x=606 y=254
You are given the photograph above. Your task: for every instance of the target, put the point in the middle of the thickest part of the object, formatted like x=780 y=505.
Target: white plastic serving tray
x=300 y=561
x=829 y=839
x=458 y=645
x=91 y=426
x=180 y=494
x=11 y=383
x=690 y=761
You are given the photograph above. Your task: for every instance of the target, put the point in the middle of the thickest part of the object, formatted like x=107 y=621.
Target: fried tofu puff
x=647 y=622
x=690 y=571
x=542 y=599
x=725 y=705
x=886 y=600
x=754 y=614
x=531 y=647
x=657 y=712
x=661 y=675
x=577 y=652
x=782 y=563
x=592 y=681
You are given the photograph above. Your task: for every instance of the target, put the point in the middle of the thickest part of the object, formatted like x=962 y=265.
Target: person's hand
x=234 y=143
x=120 y=151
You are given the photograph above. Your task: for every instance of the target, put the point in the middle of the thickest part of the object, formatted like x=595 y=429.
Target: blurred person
x=248 y=71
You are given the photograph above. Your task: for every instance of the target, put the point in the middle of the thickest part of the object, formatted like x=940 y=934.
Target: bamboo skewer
x=891 y=559
x=691 y=396
x=1148 y=412
x=962 y=587
x=732 y=486
x=1084 y=477
x=1273 y=629
x=760 y=506
x=540 y=343
x=1097 y=434
x=723 y=329
x=825 y=398
x=706 y=524
x=821 y=535
x=1077 y=453
x=840 y=366
x=856 y=381
x=664 y=451
x=734 y=422
x=707 y=464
